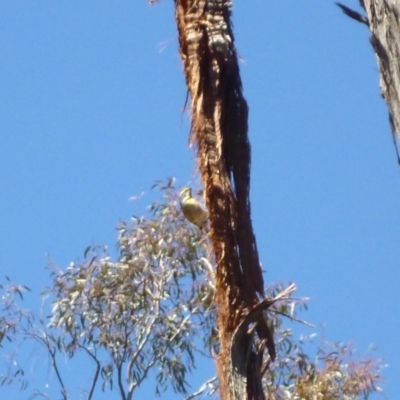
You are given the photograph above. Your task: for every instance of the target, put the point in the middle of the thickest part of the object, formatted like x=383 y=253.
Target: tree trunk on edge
x=384 y=24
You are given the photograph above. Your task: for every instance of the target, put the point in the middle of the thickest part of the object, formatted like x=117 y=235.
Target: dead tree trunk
x=219 y=130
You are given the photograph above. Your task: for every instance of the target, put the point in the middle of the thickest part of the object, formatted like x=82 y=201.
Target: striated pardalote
x=192 y=208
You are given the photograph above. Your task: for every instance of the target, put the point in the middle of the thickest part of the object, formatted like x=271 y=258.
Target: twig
x=202 y=389
x=54 y=362
x=96 y=375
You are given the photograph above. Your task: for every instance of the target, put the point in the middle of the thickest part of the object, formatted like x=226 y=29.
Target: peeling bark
x=384 y=23
x=219 y=131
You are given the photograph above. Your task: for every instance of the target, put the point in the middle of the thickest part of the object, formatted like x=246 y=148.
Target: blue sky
x=91 y=106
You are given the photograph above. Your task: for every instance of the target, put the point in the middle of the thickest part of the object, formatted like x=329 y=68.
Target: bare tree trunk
x=219 y=130
x=384 y=23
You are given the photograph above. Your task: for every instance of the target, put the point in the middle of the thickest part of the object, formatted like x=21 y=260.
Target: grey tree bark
x=383 y=21
x=384 y=24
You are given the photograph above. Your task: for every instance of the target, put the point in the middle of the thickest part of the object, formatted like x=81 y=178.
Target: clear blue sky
x=91 y=99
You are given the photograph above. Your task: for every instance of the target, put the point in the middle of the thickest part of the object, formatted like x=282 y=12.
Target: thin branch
x=52 y=353
x=203 y=388
x=54 y=362
x=182 y=324
x=301 y=321
x=96 y=375
x=141 y=346
x=133 y=385
x=120 y=385
x=120 y=361
x=153 y=361
x=38 y=393
x=144 y=374
x=353 y=14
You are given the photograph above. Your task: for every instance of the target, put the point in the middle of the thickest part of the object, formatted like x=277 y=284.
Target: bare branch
x=120 y=385
x=206 y=385
x=52 y=351
x=96 y=375
x=353 y=14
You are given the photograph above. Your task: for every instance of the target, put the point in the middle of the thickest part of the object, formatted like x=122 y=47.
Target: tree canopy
x=149 y=314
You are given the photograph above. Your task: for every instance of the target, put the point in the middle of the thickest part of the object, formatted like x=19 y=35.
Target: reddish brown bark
x=219 y=130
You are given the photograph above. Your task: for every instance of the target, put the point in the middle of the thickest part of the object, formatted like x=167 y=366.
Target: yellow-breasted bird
x=192 y=208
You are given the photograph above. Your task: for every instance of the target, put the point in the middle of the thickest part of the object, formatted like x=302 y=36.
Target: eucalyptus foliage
x=150 y=313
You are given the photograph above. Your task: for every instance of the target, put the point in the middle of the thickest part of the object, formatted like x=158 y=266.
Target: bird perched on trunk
x=192 y=208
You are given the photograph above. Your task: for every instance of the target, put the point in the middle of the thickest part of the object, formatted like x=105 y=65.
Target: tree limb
x=353 y=14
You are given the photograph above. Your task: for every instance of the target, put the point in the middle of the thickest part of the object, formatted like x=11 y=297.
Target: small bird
x=192 y=209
